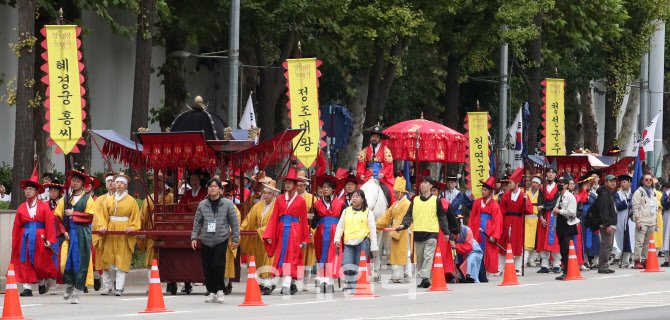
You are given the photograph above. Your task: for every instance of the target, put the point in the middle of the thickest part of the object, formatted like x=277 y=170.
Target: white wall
x=110 y=60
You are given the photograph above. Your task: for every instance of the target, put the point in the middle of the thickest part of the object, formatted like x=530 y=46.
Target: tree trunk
x=452 y=92
x=44 y=152
x=347 y=157
x=535 y=52
x=23 y=136
x=589 y=120
x=630 y=116
x=272 y=83
x=145 y=21
x=72 y=13
x=666 y=129
x=174 y=83
x=611 y=103
x=382 y=75
x=574 y=134
x=142 y=84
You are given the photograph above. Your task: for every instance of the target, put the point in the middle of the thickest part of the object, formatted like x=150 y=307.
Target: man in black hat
x=455 y=197
x=565 y=213
x=376 y=160
x=625 y=228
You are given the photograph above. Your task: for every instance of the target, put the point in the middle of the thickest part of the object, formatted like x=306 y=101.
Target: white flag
x=516 y=132
x=248 y=117
x=633 y=145
x=648 y=135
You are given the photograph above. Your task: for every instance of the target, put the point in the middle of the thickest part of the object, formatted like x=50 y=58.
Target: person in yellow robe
x=97 y=238
x=76 y=262
x=119 y=213
x=163 y=197
x=399 y=239
x=257 y=220
x=308 y=252
x=530 y=231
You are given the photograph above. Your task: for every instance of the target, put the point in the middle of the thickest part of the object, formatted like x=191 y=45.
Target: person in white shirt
x=3 y=195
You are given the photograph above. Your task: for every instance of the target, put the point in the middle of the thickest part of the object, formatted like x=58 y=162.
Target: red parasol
x=437 y=143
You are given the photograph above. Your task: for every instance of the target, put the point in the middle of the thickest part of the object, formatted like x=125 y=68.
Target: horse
x=378 y=197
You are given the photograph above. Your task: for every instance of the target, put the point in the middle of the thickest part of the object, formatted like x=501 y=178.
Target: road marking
x=526 y=285
x=28 y=305
x=299 y=303
x=143 y=298
x=410 y=294
x=148 y=314
x=617 y=276
x=553 y=309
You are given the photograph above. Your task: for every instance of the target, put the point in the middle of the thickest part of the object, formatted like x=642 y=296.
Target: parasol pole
x=417 y=162
x=330 y=139
x=103 y=155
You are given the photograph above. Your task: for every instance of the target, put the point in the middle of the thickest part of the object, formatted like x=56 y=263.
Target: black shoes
x=42 y=289
x=26 y=293
x=562 y=277
x=267 y=290
x=606 y=271
x=294 y=289
x=188 y=288
x=96 y=284
x=425 y=283
x=228 y=289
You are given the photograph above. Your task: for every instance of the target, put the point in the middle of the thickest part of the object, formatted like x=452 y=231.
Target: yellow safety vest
x=355 y=224
x=424 y=215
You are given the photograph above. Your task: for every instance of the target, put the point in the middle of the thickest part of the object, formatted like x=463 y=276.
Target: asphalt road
x=627 y=294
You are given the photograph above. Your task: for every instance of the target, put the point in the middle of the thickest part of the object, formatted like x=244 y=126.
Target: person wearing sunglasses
x=645 y=209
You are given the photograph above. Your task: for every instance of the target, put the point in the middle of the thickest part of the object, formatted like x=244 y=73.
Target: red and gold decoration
x=478 y=169
x=64 y=93
x=437 y=143
x=553 y=118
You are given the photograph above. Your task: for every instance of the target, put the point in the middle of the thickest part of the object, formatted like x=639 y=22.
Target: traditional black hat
x=377 y=129
x=625 y=177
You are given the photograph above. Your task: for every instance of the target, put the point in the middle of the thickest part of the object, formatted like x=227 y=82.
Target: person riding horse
x=376 y=161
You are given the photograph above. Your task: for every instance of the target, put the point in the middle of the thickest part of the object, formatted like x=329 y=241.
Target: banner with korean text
x=64 y=93
x=553 y=117
x=477 y=126
x=302 y=82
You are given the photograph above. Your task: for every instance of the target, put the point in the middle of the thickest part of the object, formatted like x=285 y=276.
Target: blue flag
x=637 y=175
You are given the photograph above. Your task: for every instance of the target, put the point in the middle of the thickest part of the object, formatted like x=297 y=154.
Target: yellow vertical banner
x=554 y=117
x=478 y=150
x=302 y=76
x=64 y=90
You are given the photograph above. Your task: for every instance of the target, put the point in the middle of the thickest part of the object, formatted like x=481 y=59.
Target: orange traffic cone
x=12 y=309
x=253 y=295
x=363 y=289
x=510 y=269
x=573 y=265
x=155 y=304
x=652 y=258
x=439 y=283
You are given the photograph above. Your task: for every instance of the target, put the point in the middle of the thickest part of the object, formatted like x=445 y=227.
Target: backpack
x=592 y=218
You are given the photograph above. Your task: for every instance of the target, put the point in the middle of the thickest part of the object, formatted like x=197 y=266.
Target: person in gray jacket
x=216 y=218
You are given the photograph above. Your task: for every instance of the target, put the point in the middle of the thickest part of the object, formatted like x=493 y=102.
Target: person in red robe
x=326 y=216
x=485 y=215
x=547 y=241
x=55 y=195
x=189 y=204
x=32 y=236
x=350 y=184
x=454 y=227
x=514 y=206
x=287 y=233
x=191 y=199
x=376 y=160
